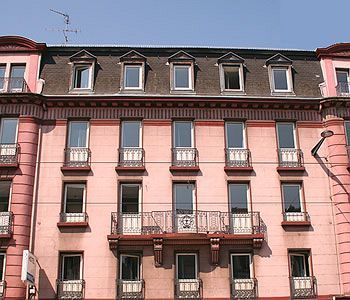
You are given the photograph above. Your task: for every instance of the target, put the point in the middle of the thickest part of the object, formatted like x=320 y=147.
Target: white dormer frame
x=288 y=69
x=76 y=67
x=222 y=76
x=133 y=59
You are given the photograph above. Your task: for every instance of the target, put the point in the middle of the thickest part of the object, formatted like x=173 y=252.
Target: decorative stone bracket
x=158 y=251
x=113 y=244
x=215 y=249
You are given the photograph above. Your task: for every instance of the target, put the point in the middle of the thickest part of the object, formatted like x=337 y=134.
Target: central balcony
x=188 y=288
x=244 y=289
x=131 y=159
x=184 y=159
x=13 y=85
x=303 y=287
x=70 y=289
x=77 y=158
x=290 y=159
x=130 y=289
x=9 y=155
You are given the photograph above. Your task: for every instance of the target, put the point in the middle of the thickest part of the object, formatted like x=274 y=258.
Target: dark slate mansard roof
x=56 y=70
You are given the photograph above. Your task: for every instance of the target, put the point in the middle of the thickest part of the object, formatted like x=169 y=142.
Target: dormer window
x=231 y=73
x=280 y=74
x=181 y=72
x=133 y=66
x=133 y=76
x=83 y=66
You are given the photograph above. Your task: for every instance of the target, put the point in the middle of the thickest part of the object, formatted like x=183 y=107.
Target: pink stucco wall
x=100 y=263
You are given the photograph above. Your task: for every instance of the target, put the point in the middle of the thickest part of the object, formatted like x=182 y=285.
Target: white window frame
x=133 y=66
x=222 y=77
x=87 y=133
x=193 y=193
x=65 y=194
x=288 y=70
x=186 y=254
x=299 y=185
x=76 y=67
x=4 y=266
x=248 y=194
x=140 y=195
x=189 y=67
x=10 y=195
x=140 y=133
x=251 y=269
x=139 y=263
x=244 y=134
x=306 y=260
x=294 y=135
x=341 y=70
x=4 y=78
x=63 y=256
x=192 y=134
x=2 y=127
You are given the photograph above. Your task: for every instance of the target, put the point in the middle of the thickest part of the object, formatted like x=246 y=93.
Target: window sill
x=238 y=169
x=9 y=166
x=186 y=92
x=233 y=92
x=121 y=169
x=81 y=91
x=76 y=169
x=290 y=169
x=72 y=224
x=132 y=91
x=295 y=223
x=5 y=235
x=184 y=169
x=283 y=93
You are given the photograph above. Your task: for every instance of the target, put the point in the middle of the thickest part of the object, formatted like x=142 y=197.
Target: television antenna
x=66 y=30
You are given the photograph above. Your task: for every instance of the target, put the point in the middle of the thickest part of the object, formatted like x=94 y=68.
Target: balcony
x=77 y=159
x=9 y=155
x=290 y=160
x=6 y=224
x=238 y=160
x=303 y=287
x=73 y=220
x=244 y=288
x=188 y=289
x=184 y=159
x=343 y=89
x=131 y=159
x=70 y=289
x=296 y=219
x=130 y=289
x=13 y=85
x=2 y=289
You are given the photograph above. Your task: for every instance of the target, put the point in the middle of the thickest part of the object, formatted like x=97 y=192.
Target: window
x=186 y=266
x=286 y=136
x=71 y=268
x=5 y=195
x=347 y=132
x=182 y=77
x=78 y=134
x=133 y=77
x=183 y=134
x=299 y=264
x=2 y=76
x=292 y=197
x=2 y=266
x=131 y=134
x=130 y=198
x=281 y=79
x=130 y=267
x=17 y=77
x=184 y=198
x=8 y=131
x=342 y=81
x=238 y=197
x=241 y=266
x=232 y=77
x=74 y=198
x=235 y=135
x=82 y=77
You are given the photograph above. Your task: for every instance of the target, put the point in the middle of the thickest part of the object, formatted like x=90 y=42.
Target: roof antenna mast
x=66 y=29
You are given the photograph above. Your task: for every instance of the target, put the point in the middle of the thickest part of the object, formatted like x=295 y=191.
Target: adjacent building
x=174 y=173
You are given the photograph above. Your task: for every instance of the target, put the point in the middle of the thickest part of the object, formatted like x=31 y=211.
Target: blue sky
x=297 y=24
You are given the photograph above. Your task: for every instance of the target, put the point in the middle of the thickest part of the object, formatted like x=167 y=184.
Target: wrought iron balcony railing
x=77 y=157
x=130 y=289
x=70 y=289
x=13 y=85
x=296 y=217
x=188 y=289
x=9 y=154
x=6 y=223
x=343 y=89
x=131 y=157
x=185 y=221
x=290 y=158
x=184 y=157
x=303 y=287
x=238 y=158
x=2 y=289
x=244 y=289
x=73 y=217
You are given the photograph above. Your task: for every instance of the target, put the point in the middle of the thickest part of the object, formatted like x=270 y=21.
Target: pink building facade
x=168 y=173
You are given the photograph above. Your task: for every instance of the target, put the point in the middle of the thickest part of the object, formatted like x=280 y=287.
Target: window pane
x=130 y=267
x=285 y=132
x=71 y=268
x=234 y=135
x=132 y=77
x=82 y=78
x=291 y=198
x=347 y=131
x=342 y=76
x=77 y=134
x=131 y=134
x=183 y=198
x=186 y=265
x=280 y=79
x=74 y=198
x=8 y=131
x=17 y=75
x=5 y=187
x=182 y=76
x=130 y=198
x=231 y=76
x=238 y=198
x=241 y=266
x=300 y=265
x=183 y=134
x=2 y=76
x=2 y=264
